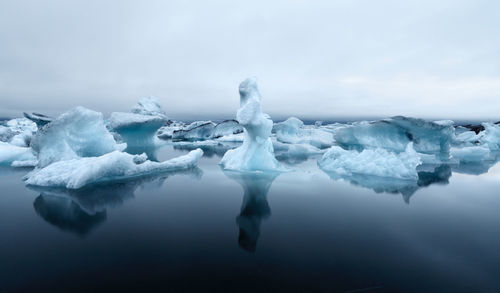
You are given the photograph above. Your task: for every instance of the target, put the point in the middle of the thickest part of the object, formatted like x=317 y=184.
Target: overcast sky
x=431 y=59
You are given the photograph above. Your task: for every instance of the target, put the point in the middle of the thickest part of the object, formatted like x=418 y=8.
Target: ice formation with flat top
x=115 y=166
x=139 y=127
x=256 y=153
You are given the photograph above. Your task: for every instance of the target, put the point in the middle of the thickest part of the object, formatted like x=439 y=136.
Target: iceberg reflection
x=254 y=207
x=438 y=175
x=79 y=211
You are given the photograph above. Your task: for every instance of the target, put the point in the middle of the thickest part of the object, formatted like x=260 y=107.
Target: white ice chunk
x=10 y=153
x=23 y=164
x=115 y=166
x=149 y=106
x=471 y=154
x=256 y=153
x=491 y=136
x=375 y=162
x=79 y=132
x=294 y=131
x=18 y=131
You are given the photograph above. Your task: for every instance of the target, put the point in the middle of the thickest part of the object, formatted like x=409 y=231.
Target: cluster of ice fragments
x=81 y=147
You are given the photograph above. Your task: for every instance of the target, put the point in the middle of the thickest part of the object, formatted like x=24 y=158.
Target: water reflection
x=435 y=175
x=81 y=210
x=254 y=207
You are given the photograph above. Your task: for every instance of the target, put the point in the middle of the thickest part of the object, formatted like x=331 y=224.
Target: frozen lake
x=207 y=230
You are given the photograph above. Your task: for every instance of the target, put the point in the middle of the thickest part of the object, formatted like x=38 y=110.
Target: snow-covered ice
x=149 y=106
x=376 y=162
x=10 y=153
x=80 y=132
x=114 y=166
x=256 y=153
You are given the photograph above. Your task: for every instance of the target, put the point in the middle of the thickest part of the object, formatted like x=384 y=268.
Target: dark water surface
x=207 y=230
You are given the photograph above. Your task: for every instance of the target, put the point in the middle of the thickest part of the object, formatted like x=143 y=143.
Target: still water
x=213 y=231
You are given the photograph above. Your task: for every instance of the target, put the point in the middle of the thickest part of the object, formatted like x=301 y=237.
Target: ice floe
x=114 y=166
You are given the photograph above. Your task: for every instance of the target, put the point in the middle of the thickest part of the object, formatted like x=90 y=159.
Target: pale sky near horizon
x=430 y=59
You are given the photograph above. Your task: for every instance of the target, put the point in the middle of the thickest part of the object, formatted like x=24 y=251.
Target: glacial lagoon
x=210 y=230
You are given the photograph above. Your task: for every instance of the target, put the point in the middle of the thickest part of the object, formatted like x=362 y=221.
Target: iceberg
x=6 y=133
x=80 y=132
x=166 y=132
x=294 y=131
x=139 y=127
x=491 y=136
x=395 y=134
x=375 y=162
x=38 y=118
x=114 y=166
x=227 y=128
x=149 y=106
x=471 y=154
x=256 y=153
x=18 y=131
x=198 y=132
x=295 y=153
x=135 y=129
x=11 y=153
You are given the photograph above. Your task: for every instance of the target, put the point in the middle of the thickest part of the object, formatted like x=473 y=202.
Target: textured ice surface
x=80 y=132
x=38 y=118
x=10 y=153
x=256 y=153
x=114 y=166
x=227 y=128
x=471 y=154
x=18 y=131
x=491 y=136
x=149 y=106
x=198 y=132
x=135 y=129
x=376 y=162
x=166 y=132
x=141 y=125
x=294 y=131
x=395 y=133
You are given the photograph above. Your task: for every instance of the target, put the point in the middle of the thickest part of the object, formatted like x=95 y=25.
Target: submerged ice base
x=256 y=153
